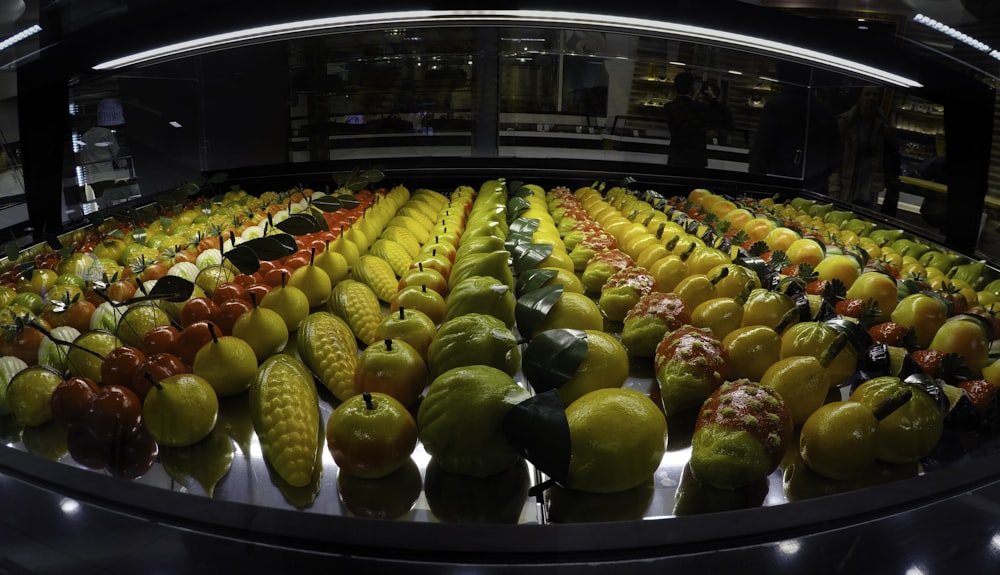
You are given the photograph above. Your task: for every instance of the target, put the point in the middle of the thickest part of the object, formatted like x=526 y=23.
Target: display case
x=439 y=100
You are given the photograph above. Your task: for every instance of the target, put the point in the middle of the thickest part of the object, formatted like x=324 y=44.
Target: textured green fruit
x=284 y=408
x=472 y=339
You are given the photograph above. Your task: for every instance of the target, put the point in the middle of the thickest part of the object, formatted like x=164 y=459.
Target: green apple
x=227 y=363
x=391 y=367
x=410 y=325
x=111 y=248
x=211 y=276
x=371 y=435
x=264 y=330
x=430 y=302
x=290 y=303
x=180 y=410
x=421 y=276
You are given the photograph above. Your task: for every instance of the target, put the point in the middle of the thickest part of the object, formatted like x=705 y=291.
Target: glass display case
x=439 y=101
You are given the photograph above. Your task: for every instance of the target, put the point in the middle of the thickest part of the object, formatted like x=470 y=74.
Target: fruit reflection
x=457 y=498
x=569 y=506
x=388 y=497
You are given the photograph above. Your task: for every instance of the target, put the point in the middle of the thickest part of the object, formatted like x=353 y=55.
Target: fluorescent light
x=26 y=33
x=510 y=17
x=174 y=123
x=677 y=63
x=736 y=72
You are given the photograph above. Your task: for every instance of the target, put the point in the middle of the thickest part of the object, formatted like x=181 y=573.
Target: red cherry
x=114 y=414
x=273 y=277
x=158 y=366
x=198 y=309
x=134 y=457
x=298 y=259
x=265 y=266
x=160 y=339
x=121 y=365
x=71 y=400
x=227 y=291
x=245 y=280
x=259 y=290
x=229 y=312
x=193 y=337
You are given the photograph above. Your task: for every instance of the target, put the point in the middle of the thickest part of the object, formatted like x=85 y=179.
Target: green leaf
x=532 y=307
x=349 y=202
x=299 y=225
x=537 y=429
x=320 y=220
x=522 y=191
x=270 y=248
x=244 y=258
x=553 y=357
x=533 y=279
x=375 y=174
x=328 y=203
x=515 y=206
x=524 y=225
x=139 y=235
x=528 y=255
x=165 y=222
x=12 y=250
x=170 y=288
x=189 y=189
x=218 y=178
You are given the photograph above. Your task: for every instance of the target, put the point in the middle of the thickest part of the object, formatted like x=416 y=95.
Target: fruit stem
x=892 y=403
x=388 y=344
x=283 y=278
x=401 y=316
x=369 y=405
x=420 y=266
x=312 y=255
x=153 y=381
x=253 y=299
x=719 y=275
x=211 y=331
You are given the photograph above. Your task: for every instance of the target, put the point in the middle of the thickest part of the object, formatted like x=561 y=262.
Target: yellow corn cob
x=393 y=253
x=356 y=304
x=403 y=237
x=414 y=226
x=401 y=192
x=411 y=211
x=329 y=349
x=284 y=408
x=377 y=274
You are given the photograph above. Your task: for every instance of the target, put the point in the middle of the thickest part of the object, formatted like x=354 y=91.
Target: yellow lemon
x=604 y=366
x=573 y=311
x=618 y=437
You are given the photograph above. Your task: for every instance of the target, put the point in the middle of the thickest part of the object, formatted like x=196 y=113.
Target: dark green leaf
x=299 y=225
x=165 y=222
x=26 y=268
x=12 y=250
x=538 y=430
x=243 y=258
x=553 y=357
x=522 y=191
x=373 y=175
x=116 y=233
x=532 y=307
x=524 y=225
x=320 y=220
x=53 y=241
x=349 y=202
x=527 y=256
x=218 y=178
x=515 y=206
x=189 y=189
x=533 y=279
x=139 y=236
x=271 y=248
x=171 y=288
x=328 y=203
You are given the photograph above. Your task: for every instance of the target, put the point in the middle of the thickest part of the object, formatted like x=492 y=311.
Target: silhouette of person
x=870 y=156
x=686 y=119
x=796 y=135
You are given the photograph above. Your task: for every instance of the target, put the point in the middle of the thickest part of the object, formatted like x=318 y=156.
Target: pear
x=313 y=281
x=333 y=263
x=227 y=363
x=263 y=329
x=290 y=303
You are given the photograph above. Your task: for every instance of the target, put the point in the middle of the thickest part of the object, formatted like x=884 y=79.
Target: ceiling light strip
x=521 y=17
x=22 y=35
x=953 y=33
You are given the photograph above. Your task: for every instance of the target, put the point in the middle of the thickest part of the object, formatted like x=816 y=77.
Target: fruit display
x=500 y=340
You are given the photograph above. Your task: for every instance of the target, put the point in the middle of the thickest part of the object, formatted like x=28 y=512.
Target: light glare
x=418 y=17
